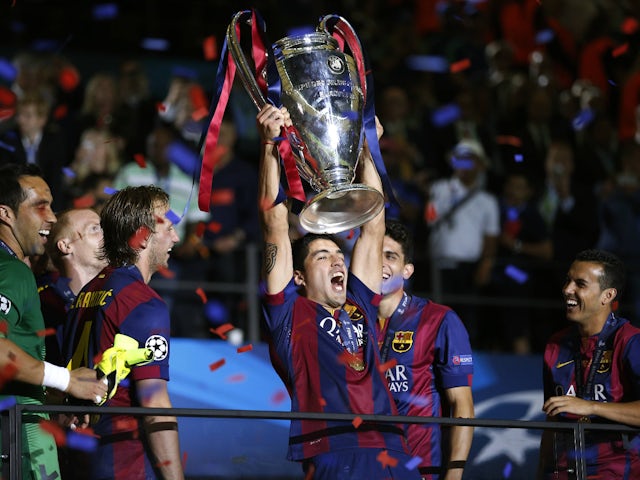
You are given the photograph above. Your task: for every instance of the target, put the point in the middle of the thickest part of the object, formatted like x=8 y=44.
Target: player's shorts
x=361 y=463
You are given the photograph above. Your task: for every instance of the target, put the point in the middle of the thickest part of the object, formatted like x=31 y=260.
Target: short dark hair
x=400 y=233
x=300 y=247
x=11 y=192
x=613 y=276
x=127 y=211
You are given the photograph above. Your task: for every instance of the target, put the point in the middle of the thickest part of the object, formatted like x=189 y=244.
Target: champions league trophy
x=321 y=88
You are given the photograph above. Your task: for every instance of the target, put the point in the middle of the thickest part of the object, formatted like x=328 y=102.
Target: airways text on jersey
x=397 y=379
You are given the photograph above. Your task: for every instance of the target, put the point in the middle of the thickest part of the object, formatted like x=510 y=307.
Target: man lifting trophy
x=324 y=89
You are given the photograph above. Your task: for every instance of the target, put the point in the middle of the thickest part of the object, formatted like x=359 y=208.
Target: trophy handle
x=246 y=75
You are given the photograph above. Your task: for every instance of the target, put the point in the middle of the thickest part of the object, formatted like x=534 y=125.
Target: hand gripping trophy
x=324 y=89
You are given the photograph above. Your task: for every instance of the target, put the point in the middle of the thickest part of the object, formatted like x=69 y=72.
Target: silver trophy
x=320 y=87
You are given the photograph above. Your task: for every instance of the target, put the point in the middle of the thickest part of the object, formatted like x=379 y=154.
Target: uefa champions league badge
x=335 y=64
x=159 y=346
x=5 y=305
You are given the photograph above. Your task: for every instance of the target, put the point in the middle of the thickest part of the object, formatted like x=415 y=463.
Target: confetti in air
x=140 y=160
x=357 y=422
x=217 y=365
x=386 y=460
x=245 y=348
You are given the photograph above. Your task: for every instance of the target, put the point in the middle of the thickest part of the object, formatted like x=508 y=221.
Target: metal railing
x=11 y=422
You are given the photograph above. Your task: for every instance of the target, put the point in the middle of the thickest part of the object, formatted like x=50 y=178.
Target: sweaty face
x=325 y=275
x=393 y=266
x=34 y=218
x=585 y=301
x=162 y=241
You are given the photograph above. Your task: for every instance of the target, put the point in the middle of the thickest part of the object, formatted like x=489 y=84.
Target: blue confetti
x=513 y=214
x=184 y=72
x=516 y=274
x=216 y=312
x=183 y=157
x=156 y=44
x=105 y=11
x=518 y=157
x=7 y=147
x=68 y=172
x=462 y=163
x=428 y=63
x=45 y=45
x=544 y=36
x=582 y=119
x=7 y=71
x=506 y=472
x=413 y=463
x=7 y=403
x=80 y=441
x=110 y=191
x=445 y=115
x=173 y=217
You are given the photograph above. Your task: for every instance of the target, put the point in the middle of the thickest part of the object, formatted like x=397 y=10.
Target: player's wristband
x=456 y=464
x=56 y=377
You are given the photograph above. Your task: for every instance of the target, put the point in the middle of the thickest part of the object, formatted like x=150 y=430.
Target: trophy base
x=341 y=208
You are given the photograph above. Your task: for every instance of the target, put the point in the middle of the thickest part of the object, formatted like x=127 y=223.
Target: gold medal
x=357 y=364
x=584 y=420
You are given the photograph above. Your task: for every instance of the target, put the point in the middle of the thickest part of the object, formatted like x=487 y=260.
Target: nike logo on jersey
x=563 y=364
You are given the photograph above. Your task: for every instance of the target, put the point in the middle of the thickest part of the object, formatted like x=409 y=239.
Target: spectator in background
x=36 y=140
x=96 y=154
x=463 y=220
x=233 y=220
x=136 y=112
x=524 y=248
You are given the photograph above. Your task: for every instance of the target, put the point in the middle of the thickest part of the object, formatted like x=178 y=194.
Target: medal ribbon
x=6 y=247
x=585 y=390
x=391 y=333
x=347 y=332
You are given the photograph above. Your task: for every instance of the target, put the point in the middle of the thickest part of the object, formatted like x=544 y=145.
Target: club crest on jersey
x=5 y=305
x=159 y=346
x=402 y=342
x=605 y=361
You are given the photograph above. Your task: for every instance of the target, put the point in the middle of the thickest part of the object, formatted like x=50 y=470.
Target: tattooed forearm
x=270 y=252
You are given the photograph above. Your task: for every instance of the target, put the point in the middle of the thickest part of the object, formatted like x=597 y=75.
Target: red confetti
x=164 y=464
x=237 y=378
x=217 y=365
x=160 y=107
x=201 y=294
x=387 y=365
x=46 y=332
x=210 y=48
x=184 y=460
x=4 y=327
x=386 y=460
x=85 y=201
x=351 y=233
x=139 y=237
x=357 y=422
x=198 y=97
x=246 y=348
x=509 y=140
x=619 y=51
x=165 y=272
x=323 y=402
x=214 y=227
x=347 y=358
x=278 y=397
x=53 y=429
x=430 y=213
x=139 y=158
x=629 y=26
x=200 y=229
x=8 y=372
x=614 y=305
x=459 y=66
x=60 y=111
x=222 y=330
x=199 y=114
x=69 y=78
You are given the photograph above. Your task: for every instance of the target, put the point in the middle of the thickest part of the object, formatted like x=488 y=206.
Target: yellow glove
x=117 y=361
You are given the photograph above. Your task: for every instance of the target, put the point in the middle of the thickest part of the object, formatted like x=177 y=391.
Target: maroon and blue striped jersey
x=308 y=353
x=614 y=377
x=432 y=353
x=118 y=300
